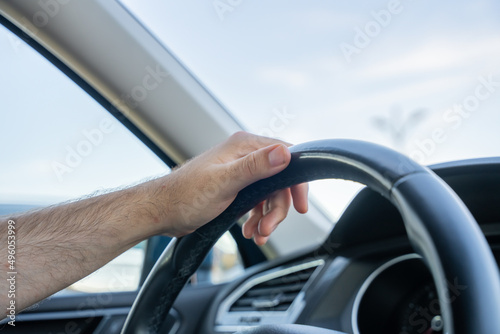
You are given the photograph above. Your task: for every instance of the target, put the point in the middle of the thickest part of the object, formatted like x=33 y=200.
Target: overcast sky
x=416 y=60
x=316 y=61
x=44 y=118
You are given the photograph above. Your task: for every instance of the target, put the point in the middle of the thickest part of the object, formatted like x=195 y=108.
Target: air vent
x=273 y=297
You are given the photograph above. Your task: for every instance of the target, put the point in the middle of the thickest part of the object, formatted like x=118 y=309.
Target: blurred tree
x=398 y=125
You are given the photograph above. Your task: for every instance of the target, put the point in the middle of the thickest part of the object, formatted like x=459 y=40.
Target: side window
x=58 y=144
x=121 y=274
x=222 y=264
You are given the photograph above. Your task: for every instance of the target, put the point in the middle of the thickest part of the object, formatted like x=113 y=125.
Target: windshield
x=421 y=77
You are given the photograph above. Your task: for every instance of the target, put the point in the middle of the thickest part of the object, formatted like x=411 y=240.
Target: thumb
x=258 y=165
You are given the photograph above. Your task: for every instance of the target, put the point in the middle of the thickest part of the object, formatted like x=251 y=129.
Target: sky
x=45 y=121
x=389 y=72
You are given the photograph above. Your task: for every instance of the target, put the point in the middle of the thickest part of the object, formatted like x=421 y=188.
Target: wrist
x=156 y=210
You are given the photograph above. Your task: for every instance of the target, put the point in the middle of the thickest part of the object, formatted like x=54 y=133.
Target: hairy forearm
x=56 y=246
x=59 y=245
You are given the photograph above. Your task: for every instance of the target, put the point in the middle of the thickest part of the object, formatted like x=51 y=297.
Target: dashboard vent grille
x=275 y=294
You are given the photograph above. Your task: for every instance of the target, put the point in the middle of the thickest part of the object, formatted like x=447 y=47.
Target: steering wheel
x=439 y=227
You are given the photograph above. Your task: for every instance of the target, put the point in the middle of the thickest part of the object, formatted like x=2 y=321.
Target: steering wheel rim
x=425 y=202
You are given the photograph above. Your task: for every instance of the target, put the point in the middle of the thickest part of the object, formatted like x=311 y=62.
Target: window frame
x=92 y=92
x=250 y=253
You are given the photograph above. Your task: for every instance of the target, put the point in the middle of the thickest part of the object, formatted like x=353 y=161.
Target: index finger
x=300 y=197
x=246 y=143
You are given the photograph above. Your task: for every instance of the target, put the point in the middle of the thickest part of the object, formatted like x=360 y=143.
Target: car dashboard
x=365 y=278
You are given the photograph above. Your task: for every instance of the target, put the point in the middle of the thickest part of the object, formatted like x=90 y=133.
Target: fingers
x=265 y=217
x=207 y=184
x=257 y=165
x=252 y=223
x=256 y=158
x=246 y=142
x=300 y=197
x=277 y=210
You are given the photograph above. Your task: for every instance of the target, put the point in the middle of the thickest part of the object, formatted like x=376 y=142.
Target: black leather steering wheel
x=439 y=227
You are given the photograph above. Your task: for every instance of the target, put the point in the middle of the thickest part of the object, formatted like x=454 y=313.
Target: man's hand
x=205 y=186
x=61 y=244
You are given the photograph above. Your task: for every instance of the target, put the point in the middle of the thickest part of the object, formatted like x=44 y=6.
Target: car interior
x=124 y=91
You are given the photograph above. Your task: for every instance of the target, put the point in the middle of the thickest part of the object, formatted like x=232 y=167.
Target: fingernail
x=277 y=156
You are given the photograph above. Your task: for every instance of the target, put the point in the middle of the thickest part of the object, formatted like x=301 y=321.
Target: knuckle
x=239 y=136
x=250 y=165
x=282 y=213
